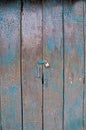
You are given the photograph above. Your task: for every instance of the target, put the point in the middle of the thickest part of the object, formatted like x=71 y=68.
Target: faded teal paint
x=67 y=11
x=74 y=124
x=8 y=57
x=40 y=62
x=74 y=108
x=12 y=90
x=68 y=49
x=73 y=19
x=80 y=49
x=61 y=51
x=50 y=44
x=54 y=2
x=36 y=69
x=55 y=88
x=32 y=126
x=61 y=74
x=8 y=26
x=75 y=67
x=11 y=114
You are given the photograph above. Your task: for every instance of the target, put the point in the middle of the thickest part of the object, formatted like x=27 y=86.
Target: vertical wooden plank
x=74 y=65
x=10 y=65
x=53 y=53
x=85 y=64
x=0 y=107
x=31 y=54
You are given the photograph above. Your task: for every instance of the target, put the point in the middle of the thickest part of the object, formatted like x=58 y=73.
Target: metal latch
x=44 y=62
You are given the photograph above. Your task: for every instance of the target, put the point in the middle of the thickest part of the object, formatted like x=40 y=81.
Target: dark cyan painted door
x=43 y=65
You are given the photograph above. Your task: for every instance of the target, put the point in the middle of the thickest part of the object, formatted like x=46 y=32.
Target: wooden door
x=42 y=65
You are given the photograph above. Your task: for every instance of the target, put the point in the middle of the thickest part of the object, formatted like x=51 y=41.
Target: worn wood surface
x=10 y=89
x=31 y=70
x=53 y=98
x=53 y=76
x=85 y=64
x=74 y=65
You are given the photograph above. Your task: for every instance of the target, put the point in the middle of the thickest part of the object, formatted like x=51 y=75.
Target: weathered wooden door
x=42 y=65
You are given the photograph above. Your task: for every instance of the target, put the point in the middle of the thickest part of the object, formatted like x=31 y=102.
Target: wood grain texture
x=10 y=89
x=31 y=54
x=85 y=64
x=74 y=65
x=53 y=53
